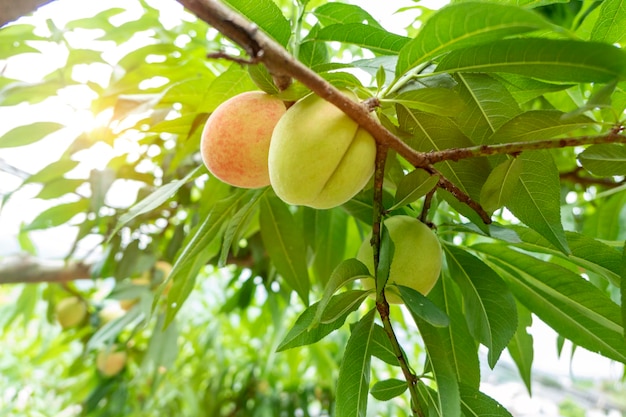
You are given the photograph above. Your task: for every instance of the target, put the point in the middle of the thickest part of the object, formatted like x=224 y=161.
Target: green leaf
x=55 y=170
x=233 y=81
x=535 y=200
x=487 y=105
x=385 y=256
x=304 y=333
x=25 y=135
x=413 y=186
x=332 y=13
x=311 y=52
x=58 y=215
x=239 y=218
x=154 y=200
x=346 y=272
x=466 y=24
x=567 y=302
x=441 y=101
x=544 y=59
x=623 y=290
x=521 y=346
x=524 y=89
x=500 y=184
x=369 y=37
x=447 y=403
x=381 y=347
x=284 y=245
x=586 y=252
x=203 y=243
x=538 y=125
x=387 y=389
x=476 y=403
x=431 y=132
x=267 y=15
x=604 y=160
x=422 y=307
x=354 y=372
x=331 y=229
x=456 y=338
x=348 y=302
x=609 y=27
x=489 y=305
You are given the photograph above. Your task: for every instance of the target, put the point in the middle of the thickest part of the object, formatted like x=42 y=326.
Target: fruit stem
x=381 y=302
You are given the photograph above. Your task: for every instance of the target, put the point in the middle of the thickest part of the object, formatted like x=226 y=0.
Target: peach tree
x=496 y=124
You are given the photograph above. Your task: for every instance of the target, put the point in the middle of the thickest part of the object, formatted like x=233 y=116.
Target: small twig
x=576 y=177
x=513 y=148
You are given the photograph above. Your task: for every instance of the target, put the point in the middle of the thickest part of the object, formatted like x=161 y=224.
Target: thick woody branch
x=28 y=270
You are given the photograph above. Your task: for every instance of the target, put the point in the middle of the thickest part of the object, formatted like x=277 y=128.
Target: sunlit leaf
x=25 y=135
x=58 y=215
x=333 y=13
x=545 y=59
x=611 y=21
x=267 y=15
x=368 y=37
x=461 y=25
x=441 y=101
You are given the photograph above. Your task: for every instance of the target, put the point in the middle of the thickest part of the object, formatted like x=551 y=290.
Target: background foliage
x=231 y=341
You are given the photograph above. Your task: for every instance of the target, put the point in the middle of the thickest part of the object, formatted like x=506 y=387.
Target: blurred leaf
x=154 y=200
x=331 y=228
x=623 y=290
x=489 y=305
x=565 y=301
x=461 y=25
x=369 y=37
x=604 y=160
x=544 y=59
x=284 y=245
x=389 y=388
x=58 y=215
x=25 y=135
x=54 y=170
x=354 y=373
x=535 y=200
x=422 y=307
x=500 y=184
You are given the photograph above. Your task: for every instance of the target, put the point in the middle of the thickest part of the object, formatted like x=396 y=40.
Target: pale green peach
x=236 y=138
x=416 y=261
x=70 y=312
x=319 y=157
x=110 y=362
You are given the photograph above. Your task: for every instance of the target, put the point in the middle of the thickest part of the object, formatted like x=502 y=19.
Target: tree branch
x=11 y=10
x=28 y=270
x=455 y=154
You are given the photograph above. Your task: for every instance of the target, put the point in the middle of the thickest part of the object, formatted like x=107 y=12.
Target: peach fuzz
x=236 y=138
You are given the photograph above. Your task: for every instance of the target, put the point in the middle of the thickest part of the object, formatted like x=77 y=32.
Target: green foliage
x=259 y=292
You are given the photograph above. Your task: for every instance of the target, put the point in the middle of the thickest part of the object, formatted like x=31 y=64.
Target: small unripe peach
x=319 y=157
x=110 y=363
x=416 y=259
x=236 y=138
x=70 y=312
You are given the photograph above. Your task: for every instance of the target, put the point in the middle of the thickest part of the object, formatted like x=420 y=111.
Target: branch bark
x=28 y=270
x=11 y=10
